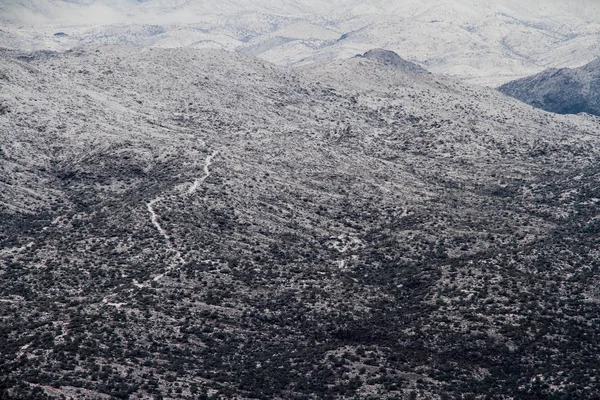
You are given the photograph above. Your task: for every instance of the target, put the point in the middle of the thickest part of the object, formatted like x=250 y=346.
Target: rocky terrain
x=563 y=91
x=187 y=224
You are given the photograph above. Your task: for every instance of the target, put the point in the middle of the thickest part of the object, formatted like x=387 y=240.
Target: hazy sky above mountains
x=33 y=12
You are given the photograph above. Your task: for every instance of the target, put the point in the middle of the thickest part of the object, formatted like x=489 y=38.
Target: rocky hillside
x=563 y=91
x=185 y=223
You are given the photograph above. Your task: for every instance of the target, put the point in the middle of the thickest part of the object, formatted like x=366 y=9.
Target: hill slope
x=187 y=223
x=563 y=91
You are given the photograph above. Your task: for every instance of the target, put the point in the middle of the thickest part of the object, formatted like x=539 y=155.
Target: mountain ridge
x=563 y=91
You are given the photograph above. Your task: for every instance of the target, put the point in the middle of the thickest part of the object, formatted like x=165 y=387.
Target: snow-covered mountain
x=565 y=91
x=482 y=41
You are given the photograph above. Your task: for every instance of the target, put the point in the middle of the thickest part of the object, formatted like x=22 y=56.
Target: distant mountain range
x=563 y=91
x=485 y=42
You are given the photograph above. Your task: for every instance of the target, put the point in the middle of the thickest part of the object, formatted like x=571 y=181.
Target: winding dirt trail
x=155 y=219
x=177 y=258
x=207 y=163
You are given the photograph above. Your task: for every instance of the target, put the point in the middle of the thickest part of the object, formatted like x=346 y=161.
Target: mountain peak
x=389 y=57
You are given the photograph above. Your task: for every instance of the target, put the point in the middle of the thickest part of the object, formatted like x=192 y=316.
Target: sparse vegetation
x=374 y=235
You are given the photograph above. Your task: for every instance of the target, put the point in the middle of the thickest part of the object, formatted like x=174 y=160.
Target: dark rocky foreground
x=196 y=224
